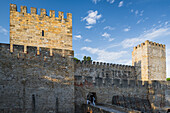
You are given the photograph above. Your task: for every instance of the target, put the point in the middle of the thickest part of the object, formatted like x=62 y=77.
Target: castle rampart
x=104 y=70
x=36 y=83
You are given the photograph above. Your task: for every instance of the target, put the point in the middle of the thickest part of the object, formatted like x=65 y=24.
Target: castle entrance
x=91 y=98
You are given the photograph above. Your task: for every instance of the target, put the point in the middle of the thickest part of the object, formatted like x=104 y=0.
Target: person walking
x=94 y=101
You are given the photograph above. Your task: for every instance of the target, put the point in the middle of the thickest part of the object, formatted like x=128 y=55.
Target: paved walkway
x=109 y=109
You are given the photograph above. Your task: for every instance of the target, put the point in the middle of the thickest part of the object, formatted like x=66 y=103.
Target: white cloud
x=166 y=23
x=125 y=61
x=103 y=20
x=95 y=1
x=105 y=56
x=77 y=37
x=88 y=27
x=136 y=12
x=131 y=10
x=106 y=35
x=139 y=21
x=127 y=29
x=148 y=35
x=109 y=28
x=3 y=30
x=87 y=40
x=120 y=4
x=92 y=17
x=141 y=13
x=111 y=39
x=111 y=1
x=142 y=20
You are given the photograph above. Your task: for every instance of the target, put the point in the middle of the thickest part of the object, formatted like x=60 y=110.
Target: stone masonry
x=40 y=30
x=150 y=59
x=31 y=83
x=39 y=75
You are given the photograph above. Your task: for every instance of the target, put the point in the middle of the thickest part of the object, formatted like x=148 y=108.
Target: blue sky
x=106 y=30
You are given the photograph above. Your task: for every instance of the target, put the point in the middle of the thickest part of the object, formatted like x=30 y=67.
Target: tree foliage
x=168 y=79
x=87 y=58
x=76 y=59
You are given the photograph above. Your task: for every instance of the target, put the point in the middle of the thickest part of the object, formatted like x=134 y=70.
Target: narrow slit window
x=42 y=32
x=33 y=103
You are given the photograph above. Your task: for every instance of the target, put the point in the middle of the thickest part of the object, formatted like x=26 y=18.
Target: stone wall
x=28 y=28
x=150 y=61
x=131 y=94
x=105 y=89
x=159 y=95
x=31 y=83
x=104 y=70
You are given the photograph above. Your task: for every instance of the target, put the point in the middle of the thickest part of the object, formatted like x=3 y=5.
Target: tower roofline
x=147 y=42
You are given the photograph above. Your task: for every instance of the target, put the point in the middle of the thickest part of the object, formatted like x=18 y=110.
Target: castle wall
x=27 y=28
x=145 y=97
x=106 y=91
x=38 y=74
x=31 y=83
x=103 y=70
x=150 y=61
x=106 y=80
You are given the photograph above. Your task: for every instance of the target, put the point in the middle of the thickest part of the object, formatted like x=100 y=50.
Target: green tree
x=76 y=59
x=87 y=58
x=84 y=58
x=168 y=79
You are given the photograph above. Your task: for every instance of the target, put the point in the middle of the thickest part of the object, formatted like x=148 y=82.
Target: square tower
x=31 y=29
x=149 y=58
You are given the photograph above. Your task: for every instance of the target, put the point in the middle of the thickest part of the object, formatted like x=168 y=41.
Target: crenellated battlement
x=147 y=42
x=31 y=29
x=104 y=70
x=100 y=81
x=36 y=51
x=43 y=13
x=103 y=64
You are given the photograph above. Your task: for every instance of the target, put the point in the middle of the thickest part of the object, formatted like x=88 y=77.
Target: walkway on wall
x=107 y=108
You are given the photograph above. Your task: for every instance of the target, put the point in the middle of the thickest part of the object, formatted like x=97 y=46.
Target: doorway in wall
x=168 y=111
x=91 y=97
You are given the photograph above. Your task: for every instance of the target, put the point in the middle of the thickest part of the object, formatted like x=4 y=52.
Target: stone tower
x=41 y=63
x=31 y=29
x=150 y=61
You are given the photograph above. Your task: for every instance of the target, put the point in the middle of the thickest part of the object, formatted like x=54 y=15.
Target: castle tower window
x=42 y=32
